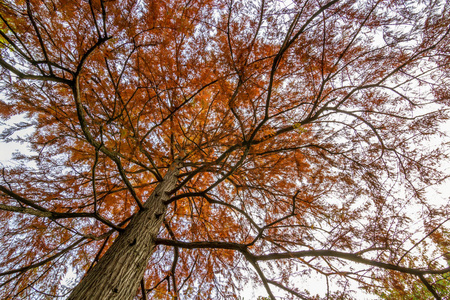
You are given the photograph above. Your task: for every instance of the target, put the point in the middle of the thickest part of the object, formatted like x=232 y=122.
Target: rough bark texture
x=118 y=273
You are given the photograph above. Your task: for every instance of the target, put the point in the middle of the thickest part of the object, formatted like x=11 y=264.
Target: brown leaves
x=301 y=126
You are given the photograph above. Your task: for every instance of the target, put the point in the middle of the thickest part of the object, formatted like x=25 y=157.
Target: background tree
x=183 y=148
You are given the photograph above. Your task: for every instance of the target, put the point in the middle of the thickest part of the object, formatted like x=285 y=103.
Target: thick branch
x=287 y=255
x=429 y=287
x=43 y=262
x=40 y=211
x=348 y=256
x=22 y=75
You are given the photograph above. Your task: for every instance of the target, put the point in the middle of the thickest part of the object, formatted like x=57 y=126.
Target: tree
x=416 y=291
x=405 y=287
x=180 y=149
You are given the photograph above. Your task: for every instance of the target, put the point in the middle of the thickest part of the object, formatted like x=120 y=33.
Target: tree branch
x=43 y=262
x=429 y=287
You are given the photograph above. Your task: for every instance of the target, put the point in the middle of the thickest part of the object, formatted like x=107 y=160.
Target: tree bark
x=118 y=273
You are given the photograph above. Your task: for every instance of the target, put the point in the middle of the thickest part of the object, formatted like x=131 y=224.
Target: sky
x=315 y=284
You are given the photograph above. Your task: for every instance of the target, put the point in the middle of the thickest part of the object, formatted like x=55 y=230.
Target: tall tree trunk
x=118 y=273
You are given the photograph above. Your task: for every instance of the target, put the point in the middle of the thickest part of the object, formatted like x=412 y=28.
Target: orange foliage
x=301 y=126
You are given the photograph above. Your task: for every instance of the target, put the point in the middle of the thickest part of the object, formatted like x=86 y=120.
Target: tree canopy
x=268 y=141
